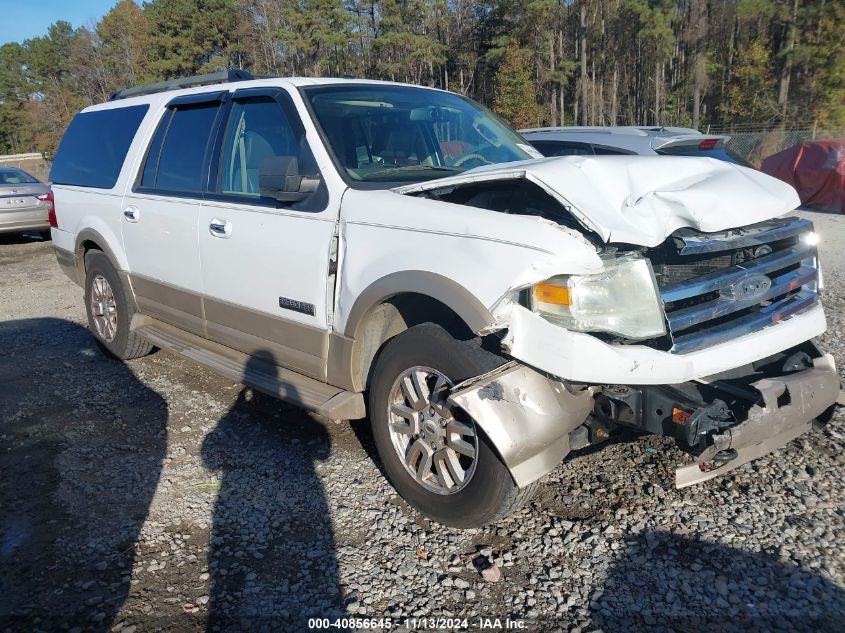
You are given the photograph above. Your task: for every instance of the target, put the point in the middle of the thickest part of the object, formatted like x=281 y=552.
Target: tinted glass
x=154 y=151
x=403 y=134
x=257 y=130
x=720 y=154
x=181 y=164
x=11 y=176
x=561 y=148
x=94 y=147
x=602 y=150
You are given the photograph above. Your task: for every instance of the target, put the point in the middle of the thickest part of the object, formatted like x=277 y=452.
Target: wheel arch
x=91 y=239
x=391 y=305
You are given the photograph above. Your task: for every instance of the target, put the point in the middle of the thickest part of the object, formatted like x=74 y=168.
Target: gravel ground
x=155 y=495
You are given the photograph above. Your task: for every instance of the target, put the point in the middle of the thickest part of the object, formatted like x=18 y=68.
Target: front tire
x=435 y=456
x=110 y=310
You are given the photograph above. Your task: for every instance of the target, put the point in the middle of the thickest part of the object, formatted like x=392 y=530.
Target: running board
x=287 y=385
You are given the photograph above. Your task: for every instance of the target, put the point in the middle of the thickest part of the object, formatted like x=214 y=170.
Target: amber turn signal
x=550 y=293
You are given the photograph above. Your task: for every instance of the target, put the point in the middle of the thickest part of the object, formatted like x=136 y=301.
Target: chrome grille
x=716 y=287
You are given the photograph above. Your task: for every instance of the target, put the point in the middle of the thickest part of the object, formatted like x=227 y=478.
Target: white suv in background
x=364 y=248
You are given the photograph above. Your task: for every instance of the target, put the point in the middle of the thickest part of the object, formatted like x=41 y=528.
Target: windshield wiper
x=395 y=170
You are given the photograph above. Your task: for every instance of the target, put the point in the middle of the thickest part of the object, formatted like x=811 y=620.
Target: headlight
x=622 y=299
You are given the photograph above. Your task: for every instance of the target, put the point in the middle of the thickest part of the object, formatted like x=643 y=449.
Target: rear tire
x=110 y=310
x=482 y=489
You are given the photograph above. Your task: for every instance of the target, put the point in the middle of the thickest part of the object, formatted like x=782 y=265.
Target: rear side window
x=94 y=147
x=176 y=160
x=562 y=148
x=603 y=150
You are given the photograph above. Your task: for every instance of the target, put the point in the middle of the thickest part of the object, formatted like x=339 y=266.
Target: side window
x=258 y=130
x=561 y=148
x=602 y=150
x=93 y=149
x=176 y=158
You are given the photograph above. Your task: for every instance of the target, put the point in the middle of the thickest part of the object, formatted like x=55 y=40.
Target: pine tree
x=516 y=96
x=186 y=37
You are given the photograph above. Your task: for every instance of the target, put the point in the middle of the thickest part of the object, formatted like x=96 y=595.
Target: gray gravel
x=155 y=495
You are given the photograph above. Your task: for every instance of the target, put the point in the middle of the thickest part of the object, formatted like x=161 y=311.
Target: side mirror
x=279 y=178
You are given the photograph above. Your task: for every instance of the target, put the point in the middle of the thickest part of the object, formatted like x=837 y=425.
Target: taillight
x=51 y=211
x=709 y=143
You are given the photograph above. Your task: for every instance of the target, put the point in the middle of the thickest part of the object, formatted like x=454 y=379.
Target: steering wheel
x=460 y=160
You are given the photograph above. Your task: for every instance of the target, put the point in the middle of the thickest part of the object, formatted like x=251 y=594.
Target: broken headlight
x=622 y=299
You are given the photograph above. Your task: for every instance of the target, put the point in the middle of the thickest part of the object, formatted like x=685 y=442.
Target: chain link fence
x=755 y=144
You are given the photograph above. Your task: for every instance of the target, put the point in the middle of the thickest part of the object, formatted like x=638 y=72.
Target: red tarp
x=817 y=171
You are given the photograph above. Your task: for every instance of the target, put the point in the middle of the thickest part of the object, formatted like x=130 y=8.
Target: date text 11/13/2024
x=419 y=624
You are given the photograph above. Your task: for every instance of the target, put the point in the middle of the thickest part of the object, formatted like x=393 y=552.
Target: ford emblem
x=748 y=288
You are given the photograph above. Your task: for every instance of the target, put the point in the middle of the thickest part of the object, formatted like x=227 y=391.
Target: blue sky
x=22 y=19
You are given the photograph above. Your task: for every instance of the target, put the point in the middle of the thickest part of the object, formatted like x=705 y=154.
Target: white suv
x=364 y=248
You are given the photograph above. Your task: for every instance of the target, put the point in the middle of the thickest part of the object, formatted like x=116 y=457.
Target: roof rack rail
x=221 y=76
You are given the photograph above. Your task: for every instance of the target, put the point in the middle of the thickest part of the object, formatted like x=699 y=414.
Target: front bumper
x=584 y=358
x=531 y=417
x=790 y=404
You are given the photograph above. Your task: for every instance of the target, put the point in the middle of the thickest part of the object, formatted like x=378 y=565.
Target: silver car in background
x=25 y=202
x=620 y=140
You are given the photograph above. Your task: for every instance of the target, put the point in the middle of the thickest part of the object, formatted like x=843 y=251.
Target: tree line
x=536 y=62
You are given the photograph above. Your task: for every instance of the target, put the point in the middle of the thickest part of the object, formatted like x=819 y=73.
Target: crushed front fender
x=526 y=414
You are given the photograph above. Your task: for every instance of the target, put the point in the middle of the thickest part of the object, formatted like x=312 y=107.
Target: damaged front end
x=535 y=419
x=676 y=323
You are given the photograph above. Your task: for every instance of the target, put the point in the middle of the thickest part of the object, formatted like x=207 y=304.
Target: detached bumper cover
x=527 y=416
x=807 y=394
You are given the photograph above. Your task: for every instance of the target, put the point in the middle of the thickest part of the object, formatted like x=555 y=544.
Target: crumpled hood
x=644 y=199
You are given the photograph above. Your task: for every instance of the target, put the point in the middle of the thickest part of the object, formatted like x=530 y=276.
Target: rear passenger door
x=161 y=212
x=265 y=263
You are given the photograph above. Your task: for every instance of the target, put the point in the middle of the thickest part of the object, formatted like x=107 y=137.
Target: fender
x=449 y=293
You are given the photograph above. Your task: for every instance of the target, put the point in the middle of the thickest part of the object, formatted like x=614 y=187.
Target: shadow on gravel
x=667 y=582
x=81 y=449
x=272 y=554
x=24 y=238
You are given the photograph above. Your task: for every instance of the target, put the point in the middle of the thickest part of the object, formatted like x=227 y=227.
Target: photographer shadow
x=272 y=554
x=82 y=443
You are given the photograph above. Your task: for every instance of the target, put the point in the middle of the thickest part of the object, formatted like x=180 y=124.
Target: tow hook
x=719 y=459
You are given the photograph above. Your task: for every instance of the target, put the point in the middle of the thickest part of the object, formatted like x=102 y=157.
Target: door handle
x=220 y=228
x=131 y=214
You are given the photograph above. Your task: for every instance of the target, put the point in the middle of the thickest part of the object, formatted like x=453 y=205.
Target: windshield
x=402 y=134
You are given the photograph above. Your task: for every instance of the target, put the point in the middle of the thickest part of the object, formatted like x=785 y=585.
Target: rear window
x=720 y=154
x=94 y=147
x=15 y=177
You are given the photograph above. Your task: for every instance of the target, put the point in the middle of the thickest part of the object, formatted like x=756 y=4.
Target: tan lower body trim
x=172 y=305
x=290 y=344
x=339 y=371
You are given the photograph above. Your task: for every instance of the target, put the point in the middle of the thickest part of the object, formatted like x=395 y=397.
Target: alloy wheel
x=438 y=450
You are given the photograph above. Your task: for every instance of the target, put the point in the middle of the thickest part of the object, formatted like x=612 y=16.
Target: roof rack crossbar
x=221 y=76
